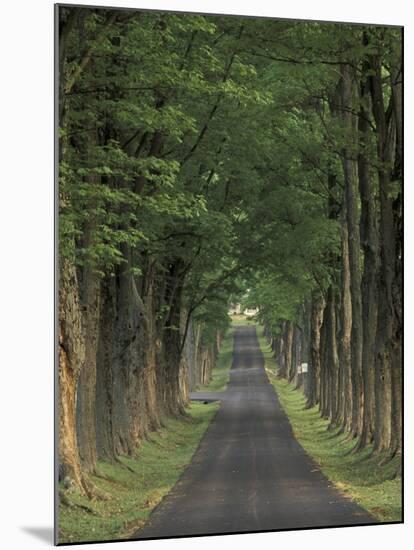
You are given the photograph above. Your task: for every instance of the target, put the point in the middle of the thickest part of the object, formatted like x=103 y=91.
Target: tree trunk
x=89 y=294
x=170 y=367
x=314 y=355
x=333 y=362
x=152 y=346
x=323 y=374
x=129 y=420
x=86 y=392
x=387 y=329
x=104 y=375
x=71 y=362
x=281 y=371
x=345 y=407
x=369 y=241
x=397 y=388
x=351 y=185
x=296 y=350
x=288 y=349
x=302 y=346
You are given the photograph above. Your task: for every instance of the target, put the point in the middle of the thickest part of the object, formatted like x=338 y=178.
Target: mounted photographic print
x=229 y=316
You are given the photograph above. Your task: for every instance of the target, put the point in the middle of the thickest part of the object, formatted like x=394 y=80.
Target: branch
x=215 y=106
x=206 y=294
x=299 y=61
x=106 y=89
x=179 y=234
x=316 y=168
x=339 y=107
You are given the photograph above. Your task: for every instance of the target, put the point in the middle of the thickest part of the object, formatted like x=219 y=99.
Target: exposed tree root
x=123 y=465
x=388 y=458
x=66 y=501
x=398 y=471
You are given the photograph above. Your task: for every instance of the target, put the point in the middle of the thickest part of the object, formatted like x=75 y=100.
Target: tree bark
x=128 y=362
x=314 y=354
x=369 y=241
x=333 y=361
x=86 y=392
x=350 y=169
x=288 y=348
x=71 y=362
x=169 y=374
x=385 y=338
x=345 y=406
x=296 y=351
x=397 y=387
x=89 y=294
x=104 y=376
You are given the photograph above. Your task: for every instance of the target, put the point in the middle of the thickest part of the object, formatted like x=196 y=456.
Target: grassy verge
x=135 y=485
x=220 y=374
x=242 y=320
x=356 y=475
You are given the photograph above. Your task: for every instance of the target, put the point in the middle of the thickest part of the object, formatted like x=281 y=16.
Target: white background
x=26 y=286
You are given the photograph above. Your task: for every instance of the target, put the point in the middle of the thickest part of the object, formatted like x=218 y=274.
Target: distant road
x=250 y=473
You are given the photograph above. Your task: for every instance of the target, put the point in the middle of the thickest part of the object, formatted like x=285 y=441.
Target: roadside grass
x=220 y=374
x=357 y=475
x=135 y=485
x=240 y=319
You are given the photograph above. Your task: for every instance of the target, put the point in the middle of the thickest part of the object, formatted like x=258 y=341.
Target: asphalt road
x=249 y=472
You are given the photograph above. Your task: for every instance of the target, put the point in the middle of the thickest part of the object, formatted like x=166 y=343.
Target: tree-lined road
x=249 y=472
x=204 y=164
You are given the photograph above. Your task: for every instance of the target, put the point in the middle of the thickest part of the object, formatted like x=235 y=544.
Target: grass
x=242 y=320
x=357 y=475
x=135 y=485
x=220 y=374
